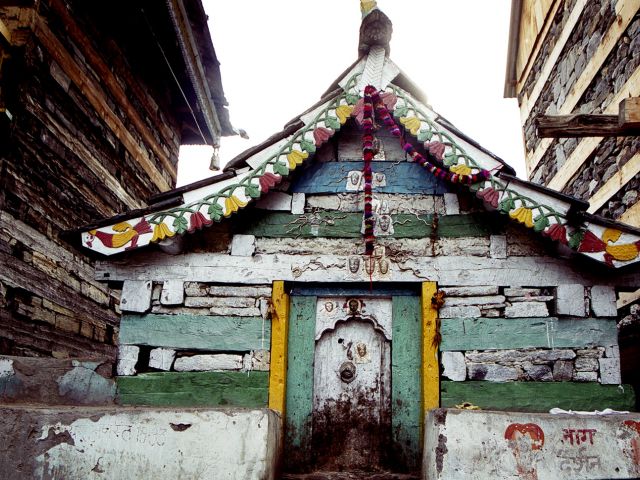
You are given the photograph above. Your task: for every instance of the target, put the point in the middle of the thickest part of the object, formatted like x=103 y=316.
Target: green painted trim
x=501 y=333
x=299 y=405
x=406 y=389
x=348 y=225
x=537 y=396
x=195 y=389
x=197 y=332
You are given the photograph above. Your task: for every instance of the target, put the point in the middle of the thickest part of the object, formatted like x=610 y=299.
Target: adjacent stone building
x=578 y=56
x=95 y=100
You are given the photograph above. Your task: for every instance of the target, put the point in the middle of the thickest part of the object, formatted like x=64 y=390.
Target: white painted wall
x=205 y=444
x=463 y=444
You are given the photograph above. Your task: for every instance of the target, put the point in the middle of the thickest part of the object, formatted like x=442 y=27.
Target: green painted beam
x=406 y=372
x=195 y=389
x=299 y=404
x=348 y=225
x=502 y=334
x=196 y=332
x=537 y=396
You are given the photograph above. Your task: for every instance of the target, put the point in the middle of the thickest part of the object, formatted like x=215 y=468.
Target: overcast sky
x=277 y=58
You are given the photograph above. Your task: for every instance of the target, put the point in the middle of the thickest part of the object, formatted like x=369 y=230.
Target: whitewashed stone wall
x=178 y=298
x=597 y=364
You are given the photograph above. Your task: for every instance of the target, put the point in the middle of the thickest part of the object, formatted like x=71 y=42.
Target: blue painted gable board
x=403 y=177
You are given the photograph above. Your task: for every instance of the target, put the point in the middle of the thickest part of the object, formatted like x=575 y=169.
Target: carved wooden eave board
x=548 y=213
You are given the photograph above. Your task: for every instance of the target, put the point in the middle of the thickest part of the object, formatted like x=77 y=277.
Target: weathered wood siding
x=584 y=59
x=88 y=139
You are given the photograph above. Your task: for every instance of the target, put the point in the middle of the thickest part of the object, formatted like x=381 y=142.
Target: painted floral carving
x=411 y=123
x=295 y=158
x=436 y=149
x=198 y=221
x=490 y=196
x=523 y=215
x=321 y=135
x=268 y=181
x=343 y=112
x=557 y=232
x=161 y=231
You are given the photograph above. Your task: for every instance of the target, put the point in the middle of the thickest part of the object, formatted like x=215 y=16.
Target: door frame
x=292 y=351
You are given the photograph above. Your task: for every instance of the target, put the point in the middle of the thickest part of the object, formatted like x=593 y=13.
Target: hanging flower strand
x=455 y=174
x=367 y=173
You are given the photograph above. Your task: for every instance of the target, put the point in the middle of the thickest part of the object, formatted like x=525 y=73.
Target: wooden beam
x=627 y=298
x=529 y=101
x=627 y=172
x=625 y=123
x=538 y=396
x=430 y=345
x=625 y=10
x=96 y=97
x=587 y=146
x=109 y=80
x=5 y=34
x=531 y=271
x=632 y=215
x=539 y=42
x=629 y=113
x=279 y=333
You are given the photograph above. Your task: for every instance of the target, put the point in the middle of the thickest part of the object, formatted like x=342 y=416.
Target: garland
x=367 y=173
x=372 y=103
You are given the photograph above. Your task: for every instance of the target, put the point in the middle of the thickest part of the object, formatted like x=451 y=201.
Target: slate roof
x=253 y=173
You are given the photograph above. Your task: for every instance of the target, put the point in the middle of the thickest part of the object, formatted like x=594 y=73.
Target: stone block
x=610 y=371
x=470 y=291
x=136 y=296
x=127 y=359
x=464 y=301
x=603 y=301
x=233 y=291
x=243 y=245
x=172 y=292
x=492 y=372
x=541 y=298
x=596 y=352
x=586 y=364
x=275 y=201
x=538 y=373
x=612 y=351
x=518 y=356
x=235 y=302
x=562 y=371
x=205 y=363
x=454 y=366
x=491 y=312
x=526 y=309
x=161 y=358
x=522 y=292
x=297 y=203
x=570 y=300
x=195 y=289
x=451 y=204
x=498 y=246
x=585 y=377
x=257 y=360
x=459 y=312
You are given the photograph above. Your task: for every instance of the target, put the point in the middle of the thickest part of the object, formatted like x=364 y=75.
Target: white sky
x=278 y=57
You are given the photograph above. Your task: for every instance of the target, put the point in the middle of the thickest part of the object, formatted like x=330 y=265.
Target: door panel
x=351 y=403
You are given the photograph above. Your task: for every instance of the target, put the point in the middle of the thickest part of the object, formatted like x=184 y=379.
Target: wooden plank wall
x=65 y=164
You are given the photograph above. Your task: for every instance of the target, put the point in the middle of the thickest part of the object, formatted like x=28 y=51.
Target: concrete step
x=349 y=476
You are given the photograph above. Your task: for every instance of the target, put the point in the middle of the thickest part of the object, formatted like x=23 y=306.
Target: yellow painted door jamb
x=430 y=344
x=279 y=335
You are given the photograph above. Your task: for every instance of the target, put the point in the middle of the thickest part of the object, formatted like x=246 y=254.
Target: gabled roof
x=252 y=174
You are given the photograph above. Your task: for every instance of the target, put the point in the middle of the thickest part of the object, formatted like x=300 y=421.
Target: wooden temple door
x=351 y=427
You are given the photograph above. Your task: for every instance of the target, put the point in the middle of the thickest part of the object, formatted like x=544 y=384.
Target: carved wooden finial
x=366 y=6
x=376 y=28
